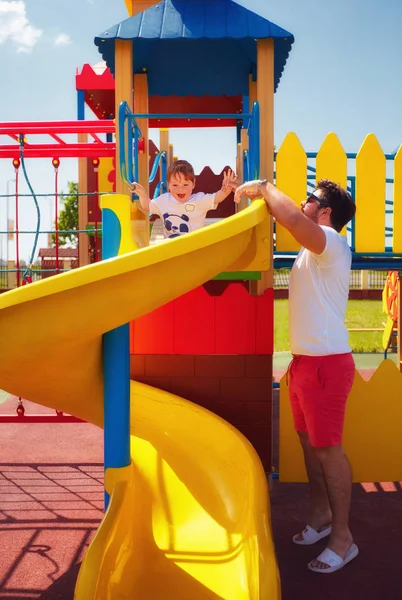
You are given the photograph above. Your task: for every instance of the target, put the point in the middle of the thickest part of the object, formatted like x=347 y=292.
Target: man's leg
x=338 y=480
x=319 y=514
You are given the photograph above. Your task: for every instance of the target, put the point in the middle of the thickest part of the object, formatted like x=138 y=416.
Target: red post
x=95 y=162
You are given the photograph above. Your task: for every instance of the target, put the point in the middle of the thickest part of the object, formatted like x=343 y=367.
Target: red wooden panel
x=265 y=323
x=235 y=321
x=154 y=333
x=194 y=316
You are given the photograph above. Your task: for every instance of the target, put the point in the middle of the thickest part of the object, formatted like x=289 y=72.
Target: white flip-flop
x=333 y=560
x=311 y=536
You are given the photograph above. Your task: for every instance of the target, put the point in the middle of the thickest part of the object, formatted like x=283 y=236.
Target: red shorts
x=319 y=387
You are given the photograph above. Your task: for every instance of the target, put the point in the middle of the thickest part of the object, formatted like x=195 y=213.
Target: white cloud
x=62 y=40
x=14 y=26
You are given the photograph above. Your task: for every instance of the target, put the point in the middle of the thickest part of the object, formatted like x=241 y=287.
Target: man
x=322 y=370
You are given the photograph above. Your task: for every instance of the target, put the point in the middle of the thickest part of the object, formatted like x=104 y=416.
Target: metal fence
x=359 y=280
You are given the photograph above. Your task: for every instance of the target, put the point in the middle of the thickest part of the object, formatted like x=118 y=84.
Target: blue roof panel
x=214 y=38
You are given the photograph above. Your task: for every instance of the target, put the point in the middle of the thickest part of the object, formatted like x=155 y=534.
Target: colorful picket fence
x=370 y=175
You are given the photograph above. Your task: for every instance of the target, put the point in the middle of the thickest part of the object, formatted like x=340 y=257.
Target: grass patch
x=359 y=314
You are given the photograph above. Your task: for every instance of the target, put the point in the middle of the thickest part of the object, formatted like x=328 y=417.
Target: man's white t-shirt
x=318 y=295
x=182 y=217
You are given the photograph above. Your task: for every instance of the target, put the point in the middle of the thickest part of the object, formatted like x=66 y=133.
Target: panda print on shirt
x=175 y=224
x=179 y=218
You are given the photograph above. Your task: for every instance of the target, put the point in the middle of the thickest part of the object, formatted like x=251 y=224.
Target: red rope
x=56 y=213
x=17 y=234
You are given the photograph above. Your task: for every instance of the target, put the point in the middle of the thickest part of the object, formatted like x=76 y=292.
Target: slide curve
x=189 y=518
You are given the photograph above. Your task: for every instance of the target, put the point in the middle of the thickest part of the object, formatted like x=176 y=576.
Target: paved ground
x=51 y=499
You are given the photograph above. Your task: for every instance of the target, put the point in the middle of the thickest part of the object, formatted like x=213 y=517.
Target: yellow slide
x=189 y=518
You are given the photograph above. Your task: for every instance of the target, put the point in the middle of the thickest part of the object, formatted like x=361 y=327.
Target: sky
x=342 y=75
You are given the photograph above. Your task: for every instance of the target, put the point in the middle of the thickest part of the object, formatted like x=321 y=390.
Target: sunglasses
x=312 y=197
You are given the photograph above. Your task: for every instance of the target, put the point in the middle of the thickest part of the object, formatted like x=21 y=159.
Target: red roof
x=98 y=85
x=97 y=77
x=62 y=253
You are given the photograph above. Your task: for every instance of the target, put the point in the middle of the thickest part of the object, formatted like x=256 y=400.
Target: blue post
x=130 y=138
x=109 y=136
x=116 y=369
x=134 y=151
x=353 y=194
x=246 y=109
x=256 y=140
x=164 y=173
x=80 y=105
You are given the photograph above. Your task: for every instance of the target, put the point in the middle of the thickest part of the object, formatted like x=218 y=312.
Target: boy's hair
x=340 y=202
x=183 y=167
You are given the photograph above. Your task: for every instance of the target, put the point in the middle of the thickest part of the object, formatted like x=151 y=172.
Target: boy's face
x=180 y=187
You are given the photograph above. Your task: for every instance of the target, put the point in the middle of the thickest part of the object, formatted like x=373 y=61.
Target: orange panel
x=154 y=333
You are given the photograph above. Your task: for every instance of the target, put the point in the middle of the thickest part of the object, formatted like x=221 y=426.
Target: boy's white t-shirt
x=182 y=217
x=318 y=295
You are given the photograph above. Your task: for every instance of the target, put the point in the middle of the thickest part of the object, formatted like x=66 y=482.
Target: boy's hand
x=136 y=188
x=229 y=181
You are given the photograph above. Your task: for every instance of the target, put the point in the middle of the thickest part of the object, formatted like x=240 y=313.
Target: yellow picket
x=331 y=162
x=370 y=197
x=397 y=245
x=291 y=169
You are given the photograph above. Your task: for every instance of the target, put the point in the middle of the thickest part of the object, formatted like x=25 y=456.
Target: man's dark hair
x=340 y=202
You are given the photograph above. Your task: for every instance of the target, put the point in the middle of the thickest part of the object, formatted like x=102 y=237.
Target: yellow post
x=252 y=87
x=265 y=97
x=164 y=146
x=140 y=220
x=123 y=91
x=83 y=239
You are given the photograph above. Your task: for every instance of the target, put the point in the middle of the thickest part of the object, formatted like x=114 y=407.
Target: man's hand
x=249 y=189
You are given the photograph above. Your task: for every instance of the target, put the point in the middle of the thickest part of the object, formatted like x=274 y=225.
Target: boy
x=180 y=210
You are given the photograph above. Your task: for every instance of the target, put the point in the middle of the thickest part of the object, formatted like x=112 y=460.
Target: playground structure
x=188 y=466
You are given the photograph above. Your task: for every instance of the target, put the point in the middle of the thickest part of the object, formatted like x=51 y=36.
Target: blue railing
x=160 y=161
x=129 y=134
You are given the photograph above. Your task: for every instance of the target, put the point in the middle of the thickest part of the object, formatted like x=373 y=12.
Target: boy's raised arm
x=229 y=179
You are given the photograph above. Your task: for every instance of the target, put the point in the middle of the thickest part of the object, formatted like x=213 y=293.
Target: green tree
x=68 y=217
